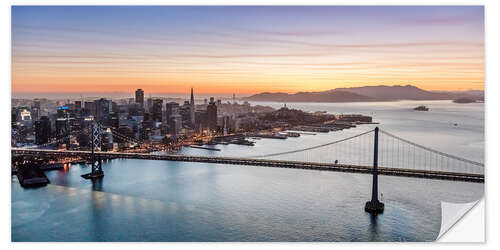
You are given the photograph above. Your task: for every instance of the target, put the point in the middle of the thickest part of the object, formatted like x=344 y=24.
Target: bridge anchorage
x=375 y=206
x=96 y=172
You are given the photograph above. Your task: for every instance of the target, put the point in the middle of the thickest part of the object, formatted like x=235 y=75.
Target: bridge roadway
x=429 y=174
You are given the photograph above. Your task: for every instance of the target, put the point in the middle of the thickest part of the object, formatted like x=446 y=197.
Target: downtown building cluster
x=59 y=124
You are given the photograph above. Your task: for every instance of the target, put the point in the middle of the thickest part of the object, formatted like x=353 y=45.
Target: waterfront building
x=85 y=124
x=354 y=118
x=125 y=130
x=146 y=130
x=107 y=140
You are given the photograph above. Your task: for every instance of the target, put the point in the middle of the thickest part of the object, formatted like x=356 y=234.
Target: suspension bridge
x=375 y=152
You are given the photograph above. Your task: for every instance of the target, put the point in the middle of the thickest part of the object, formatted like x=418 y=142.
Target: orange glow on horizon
x=167 y=50
x=245 y=84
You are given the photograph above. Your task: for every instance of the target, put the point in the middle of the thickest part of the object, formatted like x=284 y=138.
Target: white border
x=492 y=16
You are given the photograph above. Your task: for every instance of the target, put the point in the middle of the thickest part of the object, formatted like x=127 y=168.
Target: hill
x=326 y=96
x=365 y=94
x=398 y=92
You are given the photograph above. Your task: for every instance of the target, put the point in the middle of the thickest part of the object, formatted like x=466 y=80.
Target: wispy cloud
x=274 y=46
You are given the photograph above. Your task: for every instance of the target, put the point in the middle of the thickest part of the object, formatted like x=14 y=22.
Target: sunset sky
x=244 y=50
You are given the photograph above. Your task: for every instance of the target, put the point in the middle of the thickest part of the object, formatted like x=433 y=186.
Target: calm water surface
x=142 y=200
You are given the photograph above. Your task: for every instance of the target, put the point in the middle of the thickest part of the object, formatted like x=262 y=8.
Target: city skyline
x=171 y=49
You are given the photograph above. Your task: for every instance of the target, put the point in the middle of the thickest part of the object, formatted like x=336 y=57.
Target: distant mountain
x=366 y=94
x=398 y=92
x=326 y=96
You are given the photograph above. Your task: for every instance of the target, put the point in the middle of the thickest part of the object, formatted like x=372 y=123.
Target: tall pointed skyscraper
x=192 y=109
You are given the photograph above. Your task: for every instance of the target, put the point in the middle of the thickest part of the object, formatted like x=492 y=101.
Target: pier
x=31 y=176
x=206 y=148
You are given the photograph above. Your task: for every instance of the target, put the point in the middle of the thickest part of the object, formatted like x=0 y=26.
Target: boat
x=293 y=134
x=421 y=108
x=271 y=135
x=52 y=166
x=242 y=142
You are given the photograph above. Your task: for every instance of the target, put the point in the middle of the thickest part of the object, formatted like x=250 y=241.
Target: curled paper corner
x=451 y=213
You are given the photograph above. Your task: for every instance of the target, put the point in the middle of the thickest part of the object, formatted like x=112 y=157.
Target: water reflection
x=97 y=184
x=373 y=228
x=143 y=200
x=172 y=201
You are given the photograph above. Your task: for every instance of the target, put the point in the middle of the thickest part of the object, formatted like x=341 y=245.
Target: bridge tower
x=375 y=206
x=97 y=172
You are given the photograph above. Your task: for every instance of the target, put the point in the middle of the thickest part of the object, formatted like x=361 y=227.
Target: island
x=464 y=100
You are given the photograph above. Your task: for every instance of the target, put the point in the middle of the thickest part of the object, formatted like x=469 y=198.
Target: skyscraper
x=191 y=111
x=139 y=97
x=35 y=110
x=212 y=114
x=172 y=109
x=103 y=109
x=149 y=104
x=78 y=107
x=156 y=110
x=89 y=108
x=42 y=130
x=174 y=126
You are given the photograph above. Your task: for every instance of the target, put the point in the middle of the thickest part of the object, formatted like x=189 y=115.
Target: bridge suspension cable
x=393 y=151
x=314 y=147
x=432 y=150
x=397 y=152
